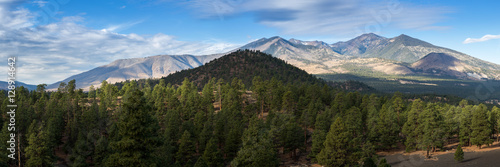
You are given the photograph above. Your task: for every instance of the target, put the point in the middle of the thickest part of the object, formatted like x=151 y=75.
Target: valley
x=425 y=84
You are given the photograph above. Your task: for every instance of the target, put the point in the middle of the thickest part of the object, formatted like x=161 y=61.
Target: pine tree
x=259 y=89
x=369 y=163
x=459 y=154
x=353 y=119
x=101 y=151
x=410 y=128
x=205 y=134
x=492 y=121
x=257 y=149
x=496 y=123
x=92 y=92
x=336 y=146
x=37 y=152
x=480 y=127
x=172 y=129
x=158 y=96
x=288 y=102
x=200 y=163
x=308 y=117
x=354 y=125
x=383 y=163
x=212 y=156
x=137 y=132
x=208 y=97
x=322 y=125
x=432 y=128
x=372 y=119
x=387 y=127
x=232 y=140
x=452 y=122
x=398 y=106
x=186 y=150
x=5 y=136
x=465 y=125
x=318 y=138
x=291 y=138
x=81 y=151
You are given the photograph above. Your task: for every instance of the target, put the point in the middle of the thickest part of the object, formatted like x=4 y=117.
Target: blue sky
x=54 y=39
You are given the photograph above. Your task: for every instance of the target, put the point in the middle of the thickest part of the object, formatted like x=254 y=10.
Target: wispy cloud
x=12 y=17
x=326 y=17
x=123 y=26
x=482 y=39
x=53 y=52
x=40 y=3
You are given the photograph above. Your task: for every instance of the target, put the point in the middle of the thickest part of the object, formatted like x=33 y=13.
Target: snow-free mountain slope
x=137 y=68
x=443 y=64
x=367 y=53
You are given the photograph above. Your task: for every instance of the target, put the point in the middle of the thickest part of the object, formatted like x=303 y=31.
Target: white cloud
x=123 y=26
x=12 y=17
x=326 y=17
x=40 y=3
x=482 y=39
x=53 y=52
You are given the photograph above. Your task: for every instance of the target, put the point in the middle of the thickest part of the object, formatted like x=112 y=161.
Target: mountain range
x=136 y=68
x=4 y=85
x=368 y=54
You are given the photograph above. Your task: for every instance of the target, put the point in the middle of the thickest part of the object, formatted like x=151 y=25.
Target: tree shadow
x=470 y=159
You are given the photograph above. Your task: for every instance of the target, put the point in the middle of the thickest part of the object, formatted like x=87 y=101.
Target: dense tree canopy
x=260 y=122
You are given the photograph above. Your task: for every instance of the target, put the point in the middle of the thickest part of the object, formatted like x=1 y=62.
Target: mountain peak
x=369 y=36
x=410 y=41
x=442 y=58
x=403 y=36
x=275 y=37
x=315 y=43
x=359 y=45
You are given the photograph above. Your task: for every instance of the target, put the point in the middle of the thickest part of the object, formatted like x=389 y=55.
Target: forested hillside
x=243 y=64
x=268 y=124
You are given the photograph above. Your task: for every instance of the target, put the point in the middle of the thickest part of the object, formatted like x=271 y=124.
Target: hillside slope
x=244 y=65
x=444 y=64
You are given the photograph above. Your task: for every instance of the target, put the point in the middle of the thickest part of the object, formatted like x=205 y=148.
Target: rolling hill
x=244 y=65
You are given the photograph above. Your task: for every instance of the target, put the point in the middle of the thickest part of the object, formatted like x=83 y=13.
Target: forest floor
x=486 y=156
x=62 y=157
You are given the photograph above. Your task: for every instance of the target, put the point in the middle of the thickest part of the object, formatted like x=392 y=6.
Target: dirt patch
x=486 y=156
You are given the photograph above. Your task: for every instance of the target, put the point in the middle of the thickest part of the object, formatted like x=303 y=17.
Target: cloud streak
x=123 y=26
x=53 y=52
x=326 y=17
x=482 y=39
